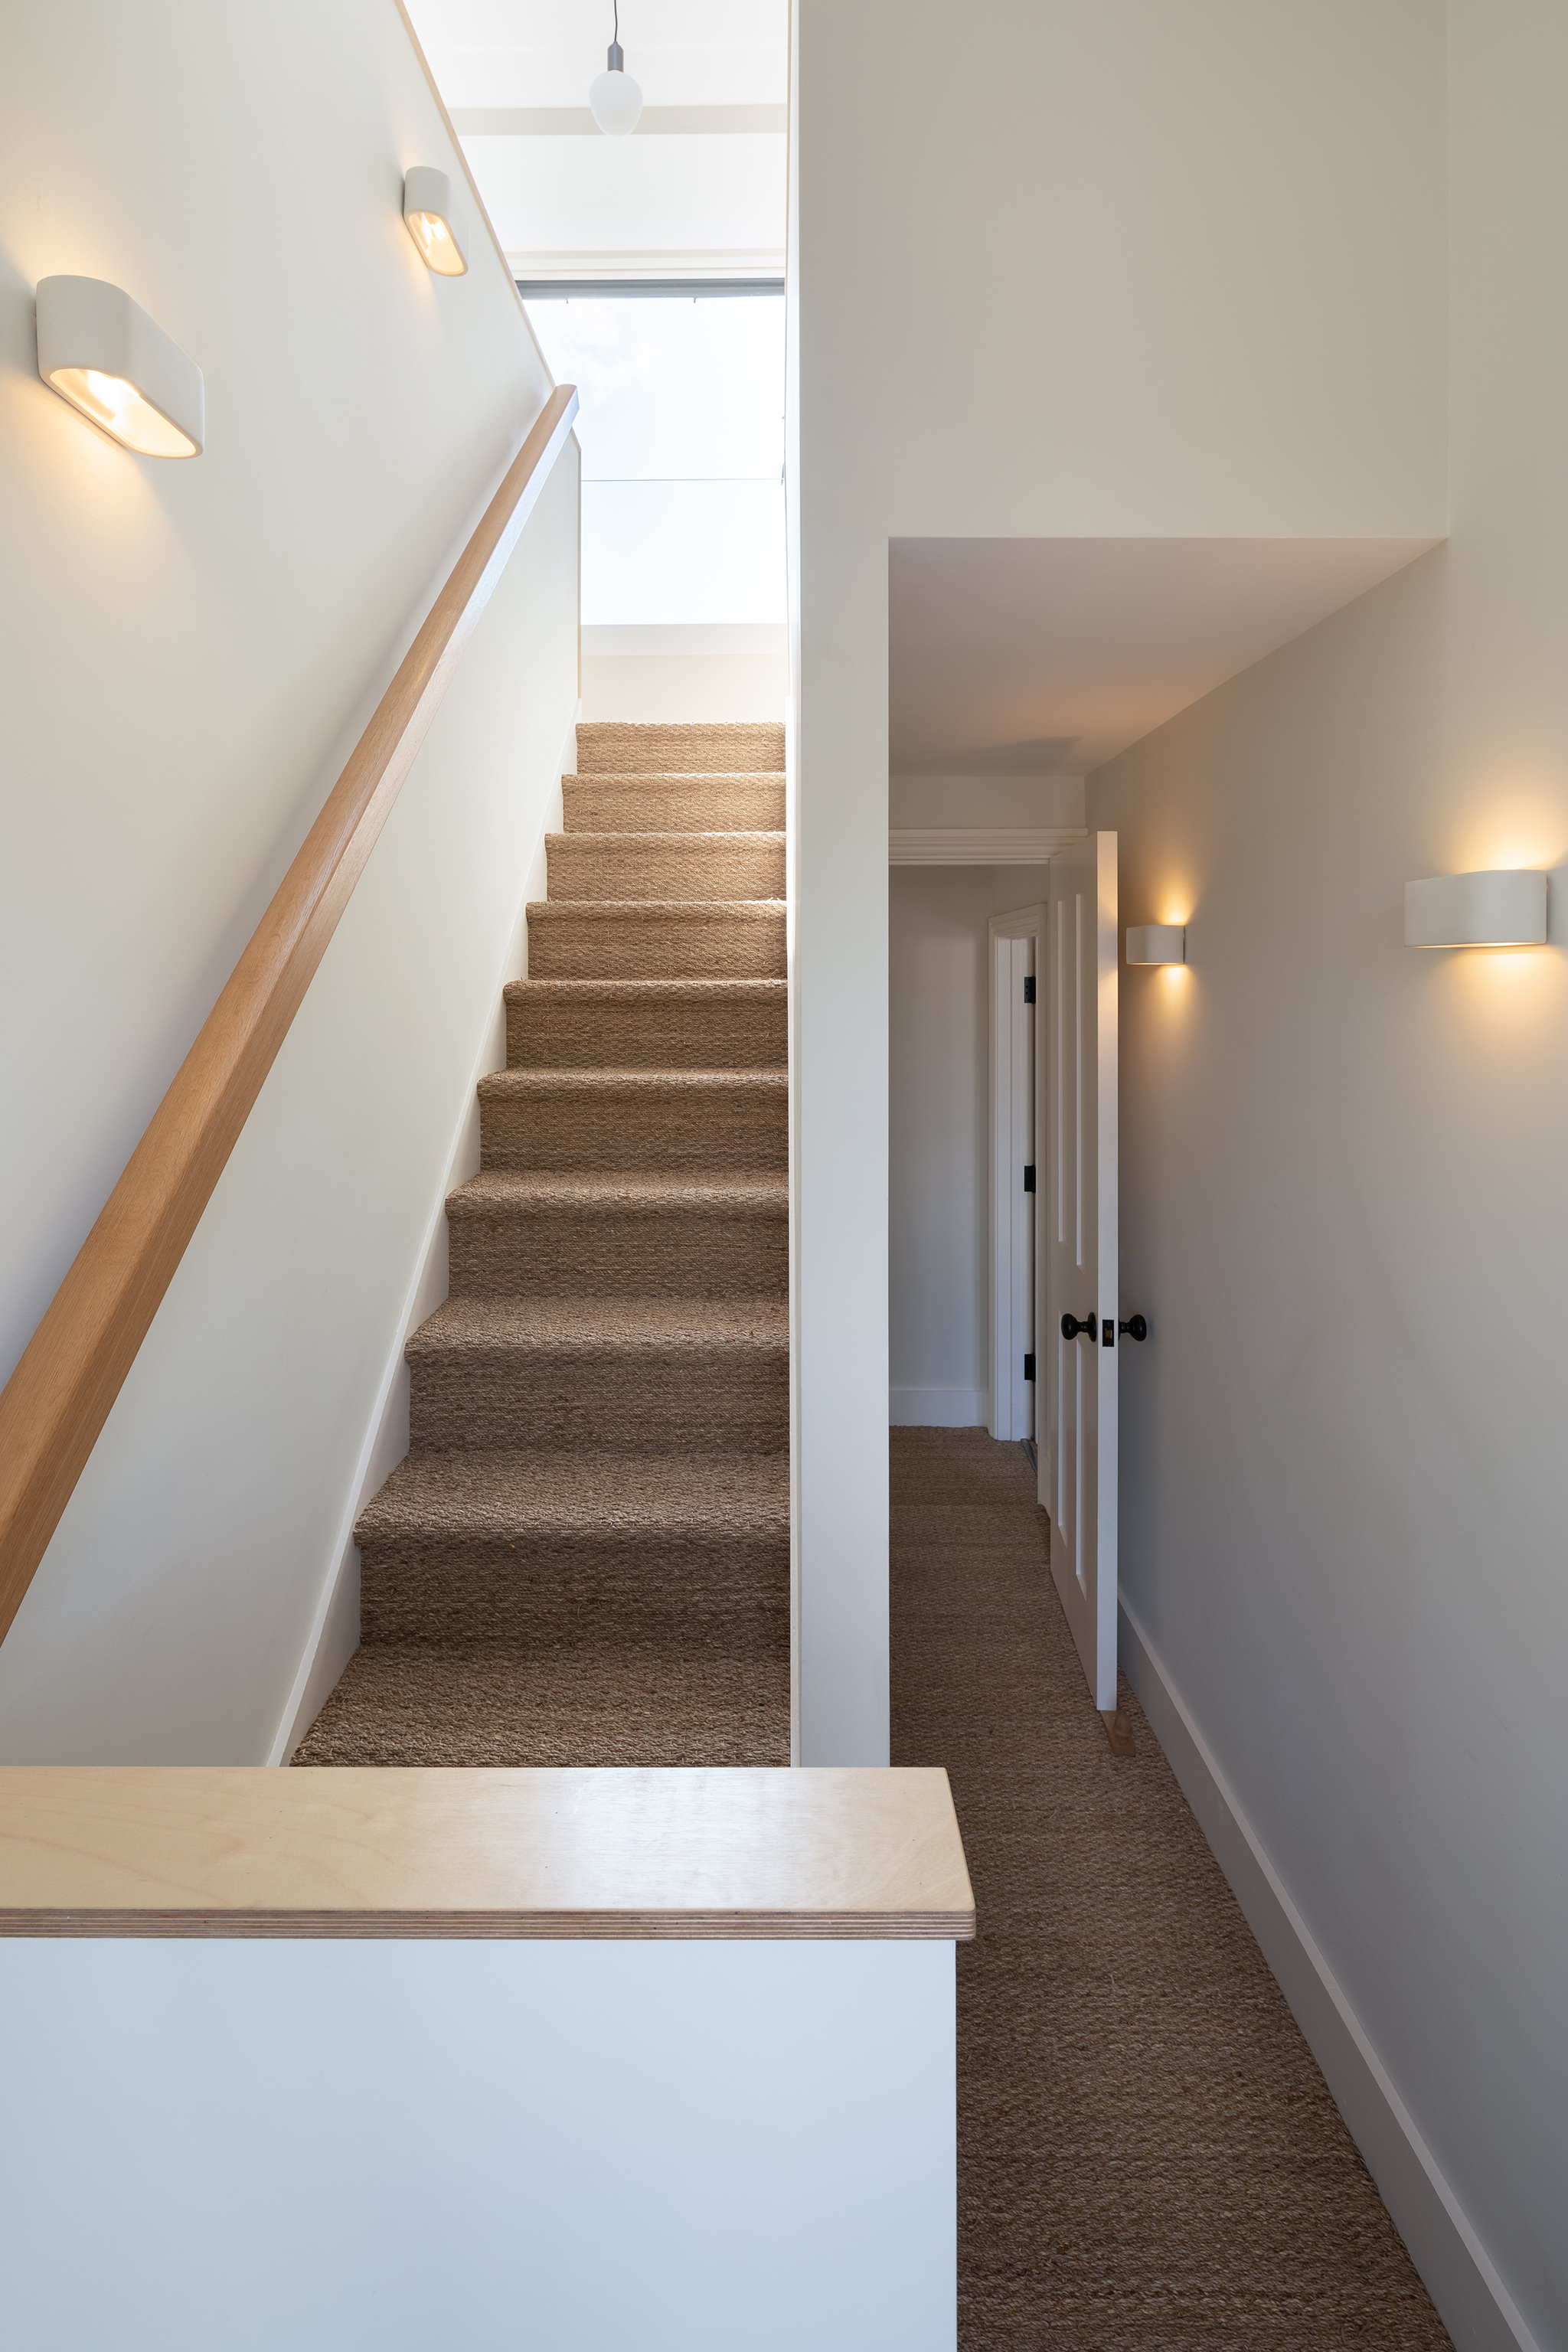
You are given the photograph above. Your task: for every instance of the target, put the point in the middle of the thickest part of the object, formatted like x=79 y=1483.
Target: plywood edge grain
x=502 y=1926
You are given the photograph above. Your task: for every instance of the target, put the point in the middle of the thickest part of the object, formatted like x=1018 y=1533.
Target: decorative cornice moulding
x=980 y=845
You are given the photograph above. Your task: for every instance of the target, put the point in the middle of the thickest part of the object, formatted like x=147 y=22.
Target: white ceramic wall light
x=1477 y=910
x=99 y=349
x=435 y=221
x=1156 y=943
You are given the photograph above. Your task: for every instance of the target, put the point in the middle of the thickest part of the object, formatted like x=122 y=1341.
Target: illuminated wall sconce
x=1156 y=943
x=1477 y=910
x=434 y=221
x=99 y=349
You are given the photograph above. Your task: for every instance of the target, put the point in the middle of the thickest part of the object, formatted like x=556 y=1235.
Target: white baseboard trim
x=939 y=1408
x=980 y=845
x=1460 y=2276
x=335 y=1631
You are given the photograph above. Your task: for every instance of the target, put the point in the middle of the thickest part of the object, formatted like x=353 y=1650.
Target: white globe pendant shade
x=615 y=97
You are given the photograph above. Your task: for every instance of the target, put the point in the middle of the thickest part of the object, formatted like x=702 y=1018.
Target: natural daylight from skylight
x=681 y=427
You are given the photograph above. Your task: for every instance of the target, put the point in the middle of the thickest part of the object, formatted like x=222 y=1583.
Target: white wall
x=1344 y=1515
x=683 y=2145
x=1173 y=315
x=938 y=1306
x=985 y=800
x=693 y=671
x=190 y=650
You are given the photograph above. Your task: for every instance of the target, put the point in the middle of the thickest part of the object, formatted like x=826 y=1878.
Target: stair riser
x=576 y=1596
x=571 y=1605
x=618 y=1255
x=649 y=1398
x=617 y=747
x=647 y=1035
x=584 y=943
x=586 y=866
x=652 y=804
x=645 y=1132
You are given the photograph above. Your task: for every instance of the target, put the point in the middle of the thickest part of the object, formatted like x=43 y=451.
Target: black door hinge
x=1028 y=1367
x=1029 y=1180
x=1028 y=988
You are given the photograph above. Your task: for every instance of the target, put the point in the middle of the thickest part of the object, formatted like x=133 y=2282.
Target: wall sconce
x=1156 y=943
x=99 y=349
x=1504 y=910
x=435 y=223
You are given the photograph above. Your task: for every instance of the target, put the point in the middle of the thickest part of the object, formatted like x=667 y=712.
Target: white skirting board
x=1472 y=2301
x=939 y=1408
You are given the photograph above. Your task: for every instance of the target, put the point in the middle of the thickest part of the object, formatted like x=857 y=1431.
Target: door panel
x=1078 y=1259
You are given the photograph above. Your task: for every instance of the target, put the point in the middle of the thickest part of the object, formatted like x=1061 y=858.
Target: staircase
x=585 y=1557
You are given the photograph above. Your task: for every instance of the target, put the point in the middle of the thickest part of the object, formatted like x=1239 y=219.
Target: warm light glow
x=122 y=411
x=436 y=245
x=1498 y=907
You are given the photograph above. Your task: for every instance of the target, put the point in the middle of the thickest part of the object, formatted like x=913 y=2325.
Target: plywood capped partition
x=221 y=1851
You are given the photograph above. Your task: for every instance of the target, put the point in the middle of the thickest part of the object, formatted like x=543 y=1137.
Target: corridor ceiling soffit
x=1012 y=657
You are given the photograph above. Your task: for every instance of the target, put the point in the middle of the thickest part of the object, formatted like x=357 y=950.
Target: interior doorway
x=1015 y=1091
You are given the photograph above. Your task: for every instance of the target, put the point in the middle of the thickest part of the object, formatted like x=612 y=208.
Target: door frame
x=1009 y=1417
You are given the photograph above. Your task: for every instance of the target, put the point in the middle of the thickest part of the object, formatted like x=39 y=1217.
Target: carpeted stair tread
x=623 y=747
x=507 y=1706
x=585 y=1086
x=624 y=1501
x=615 y=866
x=672 y=804
x=502 y=1190
x=651 y=1024
x=736 y=938
x=588 y=1327
x=635 y=1118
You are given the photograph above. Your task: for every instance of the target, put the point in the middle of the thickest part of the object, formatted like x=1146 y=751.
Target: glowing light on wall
x=435 y=221
x=101 y=352
x=1501 y=909
x=1156 y=943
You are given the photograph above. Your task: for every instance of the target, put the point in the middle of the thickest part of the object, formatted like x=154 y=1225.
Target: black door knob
x=1136 y=1330
x=1071 y=1327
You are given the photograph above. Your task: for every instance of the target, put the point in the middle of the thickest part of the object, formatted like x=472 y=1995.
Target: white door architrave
x=1016 y=1032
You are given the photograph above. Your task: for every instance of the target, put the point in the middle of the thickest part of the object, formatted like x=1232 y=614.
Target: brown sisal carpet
x=585 y=1557
x=1148 y=2155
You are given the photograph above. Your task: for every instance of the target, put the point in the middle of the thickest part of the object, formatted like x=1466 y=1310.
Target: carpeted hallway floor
x=585 y=1557
x=1148 y=2155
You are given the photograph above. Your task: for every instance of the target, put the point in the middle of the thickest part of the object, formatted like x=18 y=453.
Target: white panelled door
x=1077 y=1252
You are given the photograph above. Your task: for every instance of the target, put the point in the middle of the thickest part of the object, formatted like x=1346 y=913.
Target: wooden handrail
x=59 y=1397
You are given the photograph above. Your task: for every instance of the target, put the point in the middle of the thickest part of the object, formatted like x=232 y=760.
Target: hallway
x=1148 y=2155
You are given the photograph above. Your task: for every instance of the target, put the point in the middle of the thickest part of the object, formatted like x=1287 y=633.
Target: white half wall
x=735 y=671
x=1171 y=361
x=190 y=651
x=683 y=2146
x=1345 y=1516
x=939 y=1372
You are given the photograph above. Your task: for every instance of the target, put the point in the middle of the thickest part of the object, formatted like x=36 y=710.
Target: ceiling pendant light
x=613 y=96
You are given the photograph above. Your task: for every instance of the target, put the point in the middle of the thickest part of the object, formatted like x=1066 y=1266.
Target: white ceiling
x=1047 y=656
x=544 y=53
x=698 y=190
